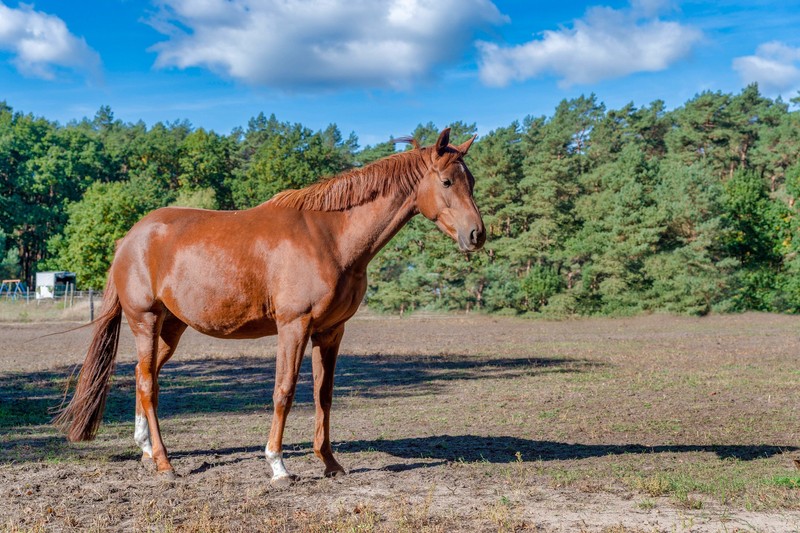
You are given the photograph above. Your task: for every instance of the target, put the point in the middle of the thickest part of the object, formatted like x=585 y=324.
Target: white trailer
x=53 y=284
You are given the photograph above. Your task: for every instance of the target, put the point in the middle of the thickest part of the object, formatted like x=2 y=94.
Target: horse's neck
x=368 y=227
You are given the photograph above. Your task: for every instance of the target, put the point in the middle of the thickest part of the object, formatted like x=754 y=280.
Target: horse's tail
x=80 y=419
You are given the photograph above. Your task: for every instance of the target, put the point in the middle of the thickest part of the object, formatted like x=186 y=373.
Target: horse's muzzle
x=475 y=241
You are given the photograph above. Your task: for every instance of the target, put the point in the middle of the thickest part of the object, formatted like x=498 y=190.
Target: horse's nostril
x=477 y=237
x=474 y=235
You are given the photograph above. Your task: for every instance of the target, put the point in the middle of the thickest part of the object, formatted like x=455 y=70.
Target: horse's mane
x=397 y=174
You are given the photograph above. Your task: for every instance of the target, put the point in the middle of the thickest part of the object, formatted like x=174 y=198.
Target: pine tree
x=691 y=272
x=619 y=229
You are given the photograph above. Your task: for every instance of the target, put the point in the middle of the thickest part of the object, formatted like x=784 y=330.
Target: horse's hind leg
x=324 y=353
x=146 y=328
x=169 y=335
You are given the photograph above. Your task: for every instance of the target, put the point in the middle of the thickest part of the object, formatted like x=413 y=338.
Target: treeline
x=588 y=211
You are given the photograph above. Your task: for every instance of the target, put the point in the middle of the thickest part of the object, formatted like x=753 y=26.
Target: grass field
x=445 y=423
x=21 y=311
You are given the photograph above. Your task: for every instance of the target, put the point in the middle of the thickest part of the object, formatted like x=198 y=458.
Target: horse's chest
x=341 y=301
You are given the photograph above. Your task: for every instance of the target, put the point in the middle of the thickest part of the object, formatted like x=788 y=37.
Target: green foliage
x=9 y=260
x=106 y=212
x=539 y=285
x=619 y=227
x=373 y=153
x=759 y=230
x=790 y=482
x=276 y=156
x=587 y=211
x=200 y=198
x=690 y=271
x=205 y=161
x=399 y=279
x=427 y=134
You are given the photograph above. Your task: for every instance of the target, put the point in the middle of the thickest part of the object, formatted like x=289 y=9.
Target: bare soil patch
x=445 y=423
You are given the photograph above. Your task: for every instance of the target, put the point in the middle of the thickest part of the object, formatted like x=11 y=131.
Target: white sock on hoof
x=142 y=435
x=275 y=460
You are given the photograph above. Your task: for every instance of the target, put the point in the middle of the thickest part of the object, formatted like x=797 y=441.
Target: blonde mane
x=397 y=174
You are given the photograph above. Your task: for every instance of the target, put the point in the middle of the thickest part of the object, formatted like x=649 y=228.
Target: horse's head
x=444 y=194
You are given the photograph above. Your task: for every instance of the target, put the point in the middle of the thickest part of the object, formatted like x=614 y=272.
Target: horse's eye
x=447 y=183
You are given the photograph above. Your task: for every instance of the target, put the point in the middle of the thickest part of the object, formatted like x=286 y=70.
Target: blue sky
x=380 y=67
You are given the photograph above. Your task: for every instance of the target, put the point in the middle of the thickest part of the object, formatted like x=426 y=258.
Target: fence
x=63 y=298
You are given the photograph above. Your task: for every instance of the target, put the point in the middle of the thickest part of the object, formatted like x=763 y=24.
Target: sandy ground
x=445 y=423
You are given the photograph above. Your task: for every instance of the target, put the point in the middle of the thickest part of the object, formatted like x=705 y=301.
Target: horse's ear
x=443 y=142
x=464 y=147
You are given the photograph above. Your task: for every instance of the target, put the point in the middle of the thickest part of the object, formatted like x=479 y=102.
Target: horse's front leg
x=325 y=350
x=292 y=340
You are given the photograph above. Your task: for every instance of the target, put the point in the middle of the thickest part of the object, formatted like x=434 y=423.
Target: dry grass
x=447 y=423
x=44 y=311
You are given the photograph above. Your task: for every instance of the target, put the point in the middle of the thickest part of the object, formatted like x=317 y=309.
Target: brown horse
x=294 y=266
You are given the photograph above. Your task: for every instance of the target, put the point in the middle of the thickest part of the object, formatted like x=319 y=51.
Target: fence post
x=91 y=305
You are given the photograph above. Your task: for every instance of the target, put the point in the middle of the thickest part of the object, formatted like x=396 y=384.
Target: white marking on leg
x=142 y=435
x=275 y=460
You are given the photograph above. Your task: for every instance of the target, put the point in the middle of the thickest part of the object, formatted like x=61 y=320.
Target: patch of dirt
x=445 y=423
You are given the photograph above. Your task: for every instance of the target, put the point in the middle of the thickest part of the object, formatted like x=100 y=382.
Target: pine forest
x=589 y=211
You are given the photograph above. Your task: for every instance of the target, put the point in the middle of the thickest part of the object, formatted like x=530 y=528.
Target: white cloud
x=774 y=66
x=606 y=43
x=320 y=43
x=41 y=43
x=651 y=8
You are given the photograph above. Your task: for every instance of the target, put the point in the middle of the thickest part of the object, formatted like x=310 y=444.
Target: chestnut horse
x=294 y=266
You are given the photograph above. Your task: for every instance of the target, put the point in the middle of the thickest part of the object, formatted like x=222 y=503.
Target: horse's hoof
x=167 y=475
x=796 y=463
x=336 y=472
x=283 y=482
x=147 y=464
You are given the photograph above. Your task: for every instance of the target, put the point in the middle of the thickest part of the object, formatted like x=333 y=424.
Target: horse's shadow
x=244 y=384
x=214 y=385
x=505 y=449
x=426 y=452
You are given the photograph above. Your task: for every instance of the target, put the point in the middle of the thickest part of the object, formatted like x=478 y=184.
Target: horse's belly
x=241 y=314
x=248 y=330
x=225 y=318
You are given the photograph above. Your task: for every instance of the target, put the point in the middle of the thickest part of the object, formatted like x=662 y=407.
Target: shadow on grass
x=471 y=449
x=244 y=384
x=442 y=449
